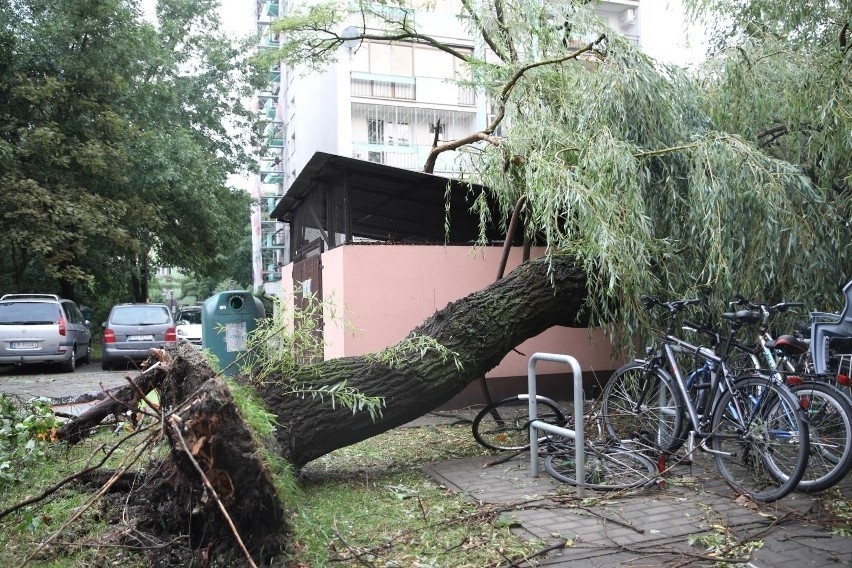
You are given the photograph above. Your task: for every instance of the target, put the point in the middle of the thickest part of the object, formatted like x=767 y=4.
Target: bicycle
x=754 y=426
x=828 y=409
x=504 y=426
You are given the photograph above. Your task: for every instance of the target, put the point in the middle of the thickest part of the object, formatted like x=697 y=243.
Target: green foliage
x=724 y=545
x=282 y=344
x=117 y=138
x=415 y=346
x=24 y=431
x=657 y=181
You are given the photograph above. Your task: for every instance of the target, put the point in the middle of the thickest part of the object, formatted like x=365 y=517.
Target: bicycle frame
x=721 y=378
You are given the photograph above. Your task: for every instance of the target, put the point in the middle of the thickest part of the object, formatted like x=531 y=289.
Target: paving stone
x=649 y=527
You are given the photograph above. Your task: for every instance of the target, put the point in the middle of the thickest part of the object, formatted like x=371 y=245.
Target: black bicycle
x=753 y=426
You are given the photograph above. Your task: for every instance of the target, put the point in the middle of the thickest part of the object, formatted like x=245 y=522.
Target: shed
x=379 y=244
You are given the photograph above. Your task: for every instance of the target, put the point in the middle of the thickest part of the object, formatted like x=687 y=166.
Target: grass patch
x=370 y=504
x=86 y=542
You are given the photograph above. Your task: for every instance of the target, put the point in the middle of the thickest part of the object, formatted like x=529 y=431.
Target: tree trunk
x=481 y=328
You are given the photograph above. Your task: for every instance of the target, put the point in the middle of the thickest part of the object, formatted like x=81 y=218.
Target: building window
x=384 y=59
x=399 y=134
x=375 y=131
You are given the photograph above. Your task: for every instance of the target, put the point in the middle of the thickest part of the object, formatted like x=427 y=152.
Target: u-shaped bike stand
x=536 y=425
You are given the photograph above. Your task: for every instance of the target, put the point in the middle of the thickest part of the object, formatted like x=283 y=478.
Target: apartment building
x=381 y=102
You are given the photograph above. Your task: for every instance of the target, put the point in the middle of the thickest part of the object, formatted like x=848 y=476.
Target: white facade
x=383 y=102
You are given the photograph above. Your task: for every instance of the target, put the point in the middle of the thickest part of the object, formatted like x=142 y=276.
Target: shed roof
x=413 y=200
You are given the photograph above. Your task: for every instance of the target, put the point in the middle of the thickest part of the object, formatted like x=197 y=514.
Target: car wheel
x=70 y=365
x=88 y=358
x=106 y=365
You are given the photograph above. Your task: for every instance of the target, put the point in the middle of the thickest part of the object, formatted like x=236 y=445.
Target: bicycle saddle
x=788 y=345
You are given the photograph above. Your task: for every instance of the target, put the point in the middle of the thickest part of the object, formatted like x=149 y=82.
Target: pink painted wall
x=385 y=291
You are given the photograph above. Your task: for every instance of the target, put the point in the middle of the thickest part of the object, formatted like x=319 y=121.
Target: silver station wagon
x=43 y=328
x=132 y=330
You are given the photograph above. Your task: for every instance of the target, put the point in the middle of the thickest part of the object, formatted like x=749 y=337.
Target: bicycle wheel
x=829 y=414
x=760 y=439
x=643 y=406
x=504 y=425
x=607 y=467
x=742 y=364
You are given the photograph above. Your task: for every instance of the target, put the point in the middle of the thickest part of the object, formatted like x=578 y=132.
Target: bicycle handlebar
x=739 y=300
x=651 y=301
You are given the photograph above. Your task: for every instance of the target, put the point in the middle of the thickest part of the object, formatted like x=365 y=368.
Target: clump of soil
x=214 y=464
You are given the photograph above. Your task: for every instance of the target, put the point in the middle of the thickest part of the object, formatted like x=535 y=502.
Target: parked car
x=43 y=328
x=188 y=321
x=132 y=330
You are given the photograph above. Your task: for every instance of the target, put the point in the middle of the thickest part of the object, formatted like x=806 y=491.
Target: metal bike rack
x=536 y=425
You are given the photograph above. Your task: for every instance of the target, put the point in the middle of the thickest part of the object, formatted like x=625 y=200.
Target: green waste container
x=226 y=319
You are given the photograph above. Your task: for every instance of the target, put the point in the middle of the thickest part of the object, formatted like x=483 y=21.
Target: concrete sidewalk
x=652 y=527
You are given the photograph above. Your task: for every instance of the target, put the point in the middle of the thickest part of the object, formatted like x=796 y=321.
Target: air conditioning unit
x=628 y=18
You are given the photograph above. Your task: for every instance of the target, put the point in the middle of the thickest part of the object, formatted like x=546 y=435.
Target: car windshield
x=28 y=313
x=140 y=315
x=189 y=316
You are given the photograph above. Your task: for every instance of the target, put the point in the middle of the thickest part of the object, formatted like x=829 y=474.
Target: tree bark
x=481 y=328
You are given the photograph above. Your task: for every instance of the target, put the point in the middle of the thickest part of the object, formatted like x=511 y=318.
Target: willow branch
x=487 y=135
x=472 y=13
x=501 y=25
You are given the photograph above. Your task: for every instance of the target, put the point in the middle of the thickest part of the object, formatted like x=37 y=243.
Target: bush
x=25 y=428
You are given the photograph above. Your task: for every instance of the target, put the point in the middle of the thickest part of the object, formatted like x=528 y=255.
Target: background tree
x=117 y=137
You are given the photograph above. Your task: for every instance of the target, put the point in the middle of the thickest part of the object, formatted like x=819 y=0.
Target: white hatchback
x=188 y=322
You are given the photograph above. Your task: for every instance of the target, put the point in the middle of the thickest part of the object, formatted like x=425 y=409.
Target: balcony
x=270 y=42
x=274 y=134
x=272 y=177
x=374 y=85
x=406 y=157
x=270 y=108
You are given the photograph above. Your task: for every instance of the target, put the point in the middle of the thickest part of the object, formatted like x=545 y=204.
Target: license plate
x=24 y=345
x=140 y=338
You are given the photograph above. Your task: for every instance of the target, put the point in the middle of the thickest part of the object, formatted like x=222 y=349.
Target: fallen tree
x=215 y=476
x=478 y=330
